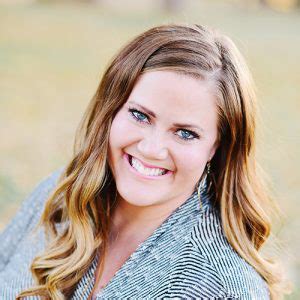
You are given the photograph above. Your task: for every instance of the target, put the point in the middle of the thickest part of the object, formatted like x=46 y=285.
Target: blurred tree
x=281 y=5
x=173 y=6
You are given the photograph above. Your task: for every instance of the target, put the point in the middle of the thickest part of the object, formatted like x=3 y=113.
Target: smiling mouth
x=141 y=168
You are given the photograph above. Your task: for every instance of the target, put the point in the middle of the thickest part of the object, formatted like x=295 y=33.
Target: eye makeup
x=140 y=117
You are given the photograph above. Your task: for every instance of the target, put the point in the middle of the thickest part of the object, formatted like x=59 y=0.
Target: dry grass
x=51 y=59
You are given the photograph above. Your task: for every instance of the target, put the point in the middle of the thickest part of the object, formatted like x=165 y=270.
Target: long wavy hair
x=77 y=215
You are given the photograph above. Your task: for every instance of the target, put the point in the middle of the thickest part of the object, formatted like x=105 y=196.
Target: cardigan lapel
x=190 y=207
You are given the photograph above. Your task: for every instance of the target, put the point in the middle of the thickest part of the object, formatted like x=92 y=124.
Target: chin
x=137 y=197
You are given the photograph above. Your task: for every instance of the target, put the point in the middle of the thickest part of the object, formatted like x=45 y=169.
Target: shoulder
x=238 y=278
x=47 y=184
x=35 y=202
x=18 y=246
x=31 y=208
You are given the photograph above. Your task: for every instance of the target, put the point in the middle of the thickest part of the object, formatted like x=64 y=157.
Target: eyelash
x=132 y=112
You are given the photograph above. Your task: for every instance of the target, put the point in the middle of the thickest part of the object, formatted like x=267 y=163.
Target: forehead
x=176 y=97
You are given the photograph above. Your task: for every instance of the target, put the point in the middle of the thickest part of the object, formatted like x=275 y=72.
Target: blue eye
x=137 y=115
x=188 y=135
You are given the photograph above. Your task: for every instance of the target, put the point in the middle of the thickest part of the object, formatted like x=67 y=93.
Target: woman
x=163 y=197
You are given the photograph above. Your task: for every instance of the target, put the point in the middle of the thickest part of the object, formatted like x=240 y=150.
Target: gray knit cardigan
x=187 y=257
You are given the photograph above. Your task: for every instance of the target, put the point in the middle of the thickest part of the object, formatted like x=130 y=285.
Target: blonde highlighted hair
x=77 y=215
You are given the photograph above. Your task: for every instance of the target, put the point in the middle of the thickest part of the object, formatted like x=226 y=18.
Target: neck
x=137 y=222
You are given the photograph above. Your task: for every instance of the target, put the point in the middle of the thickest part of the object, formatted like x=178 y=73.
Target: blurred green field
x=51 y=60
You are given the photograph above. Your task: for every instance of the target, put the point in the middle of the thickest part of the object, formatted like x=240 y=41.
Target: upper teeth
x=146 y=171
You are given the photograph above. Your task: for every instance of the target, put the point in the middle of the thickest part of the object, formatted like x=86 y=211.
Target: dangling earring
x=209 y=176
x=208 y=167
x=203 y=183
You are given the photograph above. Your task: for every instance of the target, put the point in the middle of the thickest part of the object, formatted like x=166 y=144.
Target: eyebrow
x=151 y=113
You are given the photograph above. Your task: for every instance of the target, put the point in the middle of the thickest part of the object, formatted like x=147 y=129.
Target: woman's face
x=162 y=138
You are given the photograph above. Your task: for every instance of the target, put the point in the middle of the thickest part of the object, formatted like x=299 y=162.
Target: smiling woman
x=156 y=144
x=163 y=196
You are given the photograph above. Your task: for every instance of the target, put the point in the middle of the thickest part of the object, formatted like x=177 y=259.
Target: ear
x=213 y=150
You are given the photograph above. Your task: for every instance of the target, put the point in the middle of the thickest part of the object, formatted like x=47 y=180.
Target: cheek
x=192 y=162
x=122 y=132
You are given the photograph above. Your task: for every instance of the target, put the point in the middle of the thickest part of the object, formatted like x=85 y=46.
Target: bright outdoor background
x=52 y=54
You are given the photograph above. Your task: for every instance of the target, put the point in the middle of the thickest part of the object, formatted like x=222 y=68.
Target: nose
x=153 y=146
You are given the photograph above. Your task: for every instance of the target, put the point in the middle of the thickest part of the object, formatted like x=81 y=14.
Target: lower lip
x=132 y=169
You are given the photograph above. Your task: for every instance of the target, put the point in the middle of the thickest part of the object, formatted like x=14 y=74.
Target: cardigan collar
x=191 y=208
